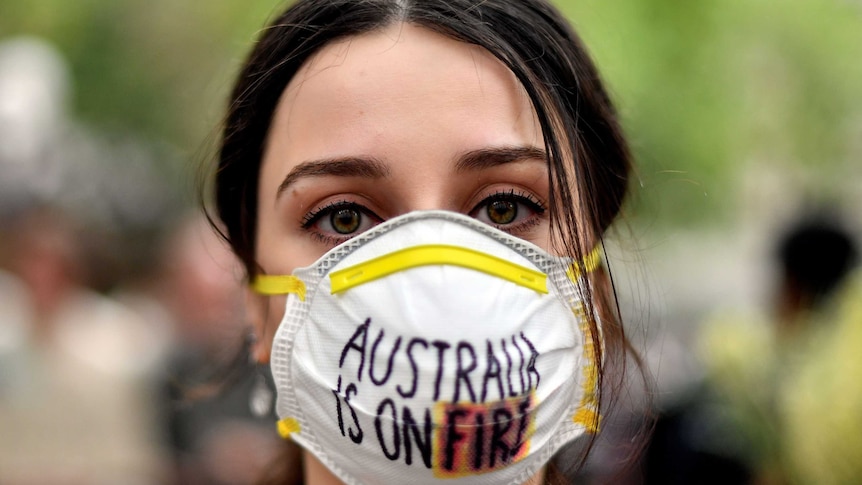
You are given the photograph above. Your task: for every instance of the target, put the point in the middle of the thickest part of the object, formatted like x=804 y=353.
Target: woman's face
x=394 y=121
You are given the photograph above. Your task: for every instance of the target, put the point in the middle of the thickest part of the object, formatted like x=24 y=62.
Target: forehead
x=401 y=82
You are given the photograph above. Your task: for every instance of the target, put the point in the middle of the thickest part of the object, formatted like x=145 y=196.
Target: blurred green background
x=708 y=89
x=741 y=114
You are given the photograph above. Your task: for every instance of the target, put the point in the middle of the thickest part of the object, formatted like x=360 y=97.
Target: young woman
x=460 y=160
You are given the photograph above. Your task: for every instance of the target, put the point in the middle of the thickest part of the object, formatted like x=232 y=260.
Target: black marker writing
x=380 y=382
x=415 y=381
x=361 y=331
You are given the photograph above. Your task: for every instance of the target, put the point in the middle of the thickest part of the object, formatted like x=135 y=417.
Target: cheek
x=265 y=314
x=543 y=238
x=272 y=316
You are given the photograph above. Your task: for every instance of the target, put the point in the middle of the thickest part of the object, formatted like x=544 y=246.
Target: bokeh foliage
x=708 y=89
x=711 y=90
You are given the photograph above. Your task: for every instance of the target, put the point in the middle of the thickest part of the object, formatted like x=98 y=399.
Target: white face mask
x=434 y=347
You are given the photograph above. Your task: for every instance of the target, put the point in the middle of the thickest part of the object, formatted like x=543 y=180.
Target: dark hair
x=585 y=145
x=815 y=255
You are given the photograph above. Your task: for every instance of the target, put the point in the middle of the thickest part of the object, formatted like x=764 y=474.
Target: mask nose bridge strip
x=422 y=256
x=437 y=254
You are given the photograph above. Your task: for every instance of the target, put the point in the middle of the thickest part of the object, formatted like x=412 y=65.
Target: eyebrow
x=339 y=167
x=373 y=168
x=484 y=158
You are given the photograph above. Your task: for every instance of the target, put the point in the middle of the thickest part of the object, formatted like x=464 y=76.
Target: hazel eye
x=502 y=211
x=345 y=221
x=507 y=210
x=339 y=221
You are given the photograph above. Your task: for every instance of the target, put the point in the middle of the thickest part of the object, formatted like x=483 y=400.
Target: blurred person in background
x=788 y=384
x=212 y=432
x=76 y=407
x=105 y=345
x=75 y=398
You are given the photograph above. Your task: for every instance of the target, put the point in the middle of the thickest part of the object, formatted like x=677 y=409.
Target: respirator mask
x=431 y=348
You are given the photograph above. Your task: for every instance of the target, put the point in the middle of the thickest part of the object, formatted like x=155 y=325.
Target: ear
x=257 y=309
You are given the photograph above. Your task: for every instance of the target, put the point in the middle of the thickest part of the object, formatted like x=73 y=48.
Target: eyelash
x=316 y=215
x=519 y=197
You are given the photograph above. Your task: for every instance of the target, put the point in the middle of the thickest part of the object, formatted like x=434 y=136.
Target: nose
x=420 y=190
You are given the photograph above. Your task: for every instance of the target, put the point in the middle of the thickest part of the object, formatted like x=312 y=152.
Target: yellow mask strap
x=287 y=427
x=278 y=285
x=589 y=264
x=587 y=414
